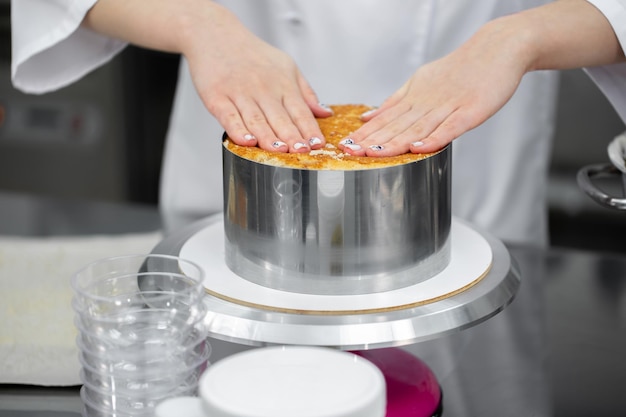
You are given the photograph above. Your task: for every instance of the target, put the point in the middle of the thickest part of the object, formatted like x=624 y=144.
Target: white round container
x=286 y=382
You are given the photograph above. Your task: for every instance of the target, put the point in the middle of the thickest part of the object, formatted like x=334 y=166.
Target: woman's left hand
x=458 y=92
x=444 y=98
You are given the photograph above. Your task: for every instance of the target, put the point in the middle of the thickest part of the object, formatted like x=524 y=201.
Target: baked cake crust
x=345 y=120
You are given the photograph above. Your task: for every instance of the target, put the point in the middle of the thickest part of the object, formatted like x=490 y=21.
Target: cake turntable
x=481 y=279
x=357 y=259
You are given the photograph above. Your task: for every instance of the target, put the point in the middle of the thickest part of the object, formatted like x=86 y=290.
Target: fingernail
x=353 y=146
x=417 y=144
x=314 y=141
x=367 y=113
x=377 y=147
x=249 y=136
x=300 y=145
x=325 y=107
x=346 y=141
x=278 y=144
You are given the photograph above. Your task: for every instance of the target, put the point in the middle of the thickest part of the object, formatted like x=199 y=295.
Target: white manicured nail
x=278 y=144
x=249 y=137
x=417 y=144
x=300 y=145
x=315 y=141
x=325 y=107
x=377 y=147
x=367 y=113
x=346 y=141
x=353 y=146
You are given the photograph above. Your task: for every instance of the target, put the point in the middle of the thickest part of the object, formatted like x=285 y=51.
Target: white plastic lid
x=293 y=381
x=180 y=406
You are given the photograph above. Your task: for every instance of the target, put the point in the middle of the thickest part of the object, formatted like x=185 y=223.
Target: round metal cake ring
x=254 y=315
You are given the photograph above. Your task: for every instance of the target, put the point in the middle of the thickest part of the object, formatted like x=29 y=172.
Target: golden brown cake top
x=346 y=119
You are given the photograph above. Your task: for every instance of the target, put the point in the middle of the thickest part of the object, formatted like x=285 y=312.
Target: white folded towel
x=37 y=334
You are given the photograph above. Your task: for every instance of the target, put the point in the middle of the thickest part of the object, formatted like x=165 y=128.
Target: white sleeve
x=611 y=79
x=49 y=47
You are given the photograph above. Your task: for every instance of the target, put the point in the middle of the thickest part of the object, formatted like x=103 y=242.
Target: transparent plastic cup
x=94 y=410
x=157 y=385
x=168 y=364
x=142 y=327
x=120 y=309
x=141 y=332
x=131 y=403
x=100 y=404
x=105 y=344
x=149 y=386
x=130 y=282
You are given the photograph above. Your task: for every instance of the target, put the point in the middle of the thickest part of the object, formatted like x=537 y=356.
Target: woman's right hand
x=254 y=90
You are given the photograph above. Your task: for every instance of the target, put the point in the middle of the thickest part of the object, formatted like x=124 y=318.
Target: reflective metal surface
x=255 y=326
x=588 y=175
x=556 y=351
x=336 y=232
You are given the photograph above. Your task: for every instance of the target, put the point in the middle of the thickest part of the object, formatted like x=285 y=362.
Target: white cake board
x=480 y=281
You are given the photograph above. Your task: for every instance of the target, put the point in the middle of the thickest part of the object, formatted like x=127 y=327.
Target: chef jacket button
x=294 y=20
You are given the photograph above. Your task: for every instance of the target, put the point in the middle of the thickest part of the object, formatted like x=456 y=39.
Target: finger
x=318 y=109
x=407 y=131
x=390 y=102
x=373 y=135
x=457 y=123
x=229 y=117
x=390 y=140
x=284 y=127
x=347 y=145
x=370 y=114
x=309 y=127
x=304 y=120
x=258 y=125
x=382 y=121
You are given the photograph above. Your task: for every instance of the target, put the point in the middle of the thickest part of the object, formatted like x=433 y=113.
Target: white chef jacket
x=351 y=51
x=612 y=78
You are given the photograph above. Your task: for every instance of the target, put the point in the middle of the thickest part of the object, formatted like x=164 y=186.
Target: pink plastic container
x=412 y=388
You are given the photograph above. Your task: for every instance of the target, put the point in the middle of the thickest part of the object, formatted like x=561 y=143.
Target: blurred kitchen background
x=102 y=139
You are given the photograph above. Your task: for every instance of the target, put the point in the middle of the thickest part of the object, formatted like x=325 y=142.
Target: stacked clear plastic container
x=141 y=335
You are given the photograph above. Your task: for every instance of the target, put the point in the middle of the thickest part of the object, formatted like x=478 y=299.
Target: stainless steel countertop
x=557 y=350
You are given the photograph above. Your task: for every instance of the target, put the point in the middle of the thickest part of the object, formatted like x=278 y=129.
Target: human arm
x=458 y=92
x=250 y=87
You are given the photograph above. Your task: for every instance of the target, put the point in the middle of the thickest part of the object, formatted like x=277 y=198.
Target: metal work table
x=557 y=350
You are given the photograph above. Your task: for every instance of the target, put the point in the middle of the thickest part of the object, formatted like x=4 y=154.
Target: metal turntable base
x=481 y=280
